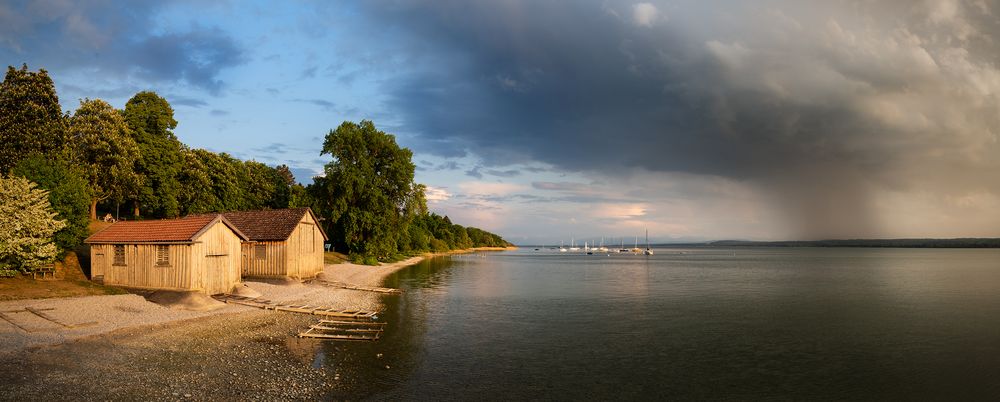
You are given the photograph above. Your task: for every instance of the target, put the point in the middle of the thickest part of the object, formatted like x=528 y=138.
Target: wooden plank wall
x=305 y=249
x=216 y=260
x=271 y=266
x=301 y=256
x=140 y=270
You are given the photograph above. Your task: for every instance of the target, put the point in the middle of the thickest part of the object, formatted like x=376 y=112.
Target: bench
x=48 y=269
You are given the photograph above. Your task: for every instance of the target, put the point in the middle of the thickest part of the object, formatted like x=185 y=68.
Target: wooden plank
x=338 y=337
x=39 y=312
x=352 y=286
x=295 y=308
x=352 y=322
x=324 y=328
x=11 y=321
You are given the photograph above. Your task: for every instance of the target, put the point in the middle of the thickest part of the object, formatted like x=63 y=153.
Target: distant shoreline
x=375 y=275
x=970 y=242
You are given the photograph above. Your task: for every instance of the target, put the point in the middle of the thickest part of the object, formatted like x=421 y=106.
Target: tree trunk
x=135 y=212
x=93 y=209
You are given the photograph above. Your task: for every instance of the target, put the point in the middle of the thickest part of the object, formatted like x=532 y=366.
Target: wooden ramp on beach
x=294 y=308
x=39 y=312
x=351 y=286
x=345 y=330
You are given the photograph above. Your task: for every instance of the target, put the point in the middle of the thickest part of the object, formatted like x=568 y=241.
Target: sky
x=550 y=120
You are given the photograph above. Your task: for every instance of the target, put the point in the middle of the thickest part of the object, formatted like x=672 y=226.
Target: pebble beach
x=126 y=347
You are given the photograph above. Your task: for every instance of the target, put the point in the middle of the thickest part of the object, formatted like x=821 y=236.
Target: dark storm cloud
x=449 y=165
x=475 y=172
x=479 y=171
x=557 y=186
x=819 y=104
x=115 y=41
x=503 y=173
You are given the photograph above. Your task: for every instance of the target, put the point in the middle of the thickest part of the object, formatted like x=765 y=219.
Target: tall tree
x=69 y=195
x=263 y=183
x=224 y=174
x=27 y=224
x=197 y=195
x=102 y=145
x=283 y=182
x=366 y=192
x=31 y=119
x=151 y=119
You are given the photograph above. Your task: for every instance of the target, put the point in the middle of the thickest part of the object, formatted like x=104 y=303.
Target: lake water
x=749 y=324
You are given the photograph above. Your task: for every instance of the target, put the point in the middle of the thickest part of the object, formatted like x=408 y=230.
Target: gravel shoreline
x=139 y=350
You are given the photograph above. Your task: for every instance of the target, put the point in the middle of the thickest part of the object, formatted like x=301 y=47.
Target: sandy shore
x=125 y=347
x=78 y=317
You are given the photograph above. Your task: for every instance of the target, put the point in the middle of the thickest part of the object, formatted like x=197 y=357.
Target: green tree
x=151 y=119
x=283 y=182
x=197 y=195
x=224 y=174
x=31 y=119
x=68 y=195
x=366 y=194
x=299 y=196
x=263 y=184
x=27 y=224
x=101 y=145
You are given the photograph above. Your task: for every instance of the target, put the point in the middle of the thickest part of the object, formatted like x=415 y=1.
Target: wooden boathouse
x=282 y=243
x=199 y=253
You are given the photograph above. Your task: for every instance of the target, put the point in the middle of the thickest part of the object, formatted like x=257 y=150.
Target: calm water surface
x=751 y=324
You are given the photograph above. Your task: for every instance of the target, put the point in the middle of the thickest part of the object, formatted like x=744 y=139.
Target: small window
x=260 y=251
x=162 y=256
x=119 y=255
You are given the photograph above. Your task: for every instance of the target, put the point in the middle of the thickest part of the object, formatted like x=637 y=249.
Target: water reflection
x=686 y=324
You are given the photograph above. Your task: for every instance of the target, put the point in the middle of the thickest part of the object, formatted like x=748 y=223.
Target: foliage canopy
x=69 y=195
x=31 y=118
x=368 y=193
x=151 y=119
x=100 y=143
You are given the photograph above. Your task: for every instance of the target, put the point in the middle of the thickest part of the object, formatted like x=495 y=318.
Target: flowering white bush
x=27 y=225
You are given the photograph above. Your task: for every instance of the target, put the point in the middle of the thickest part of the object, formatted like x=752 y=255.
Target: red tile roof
x=269 y=225
x=165 y=230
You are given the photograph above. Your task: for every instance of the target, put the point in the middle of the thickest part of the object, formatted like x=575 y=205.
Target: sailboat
x=623 y=249
x=602 y=248
x=636 y=248
x=648 y=250
x=562 y=249
x=572 y=245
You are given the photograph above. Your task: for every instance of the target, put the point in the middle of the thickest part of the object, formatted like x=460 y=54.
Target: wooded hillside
x=128 y=162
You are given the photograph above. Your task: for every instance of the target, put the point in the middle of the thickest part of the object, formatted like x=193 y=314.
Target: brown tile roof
x=164 y=230
x=269 y=225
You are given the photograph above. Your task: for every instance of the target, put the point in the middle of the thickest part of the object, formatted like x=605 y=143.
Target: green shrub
x=27 y=225
x=68 y=195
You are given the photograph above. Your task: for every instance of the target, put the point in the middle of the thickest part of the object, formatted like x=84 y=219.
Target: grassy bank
x=69 y=281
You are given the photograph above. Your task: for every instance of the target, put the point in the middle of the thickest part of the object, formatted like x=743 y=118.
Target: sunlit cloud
x=436 y=194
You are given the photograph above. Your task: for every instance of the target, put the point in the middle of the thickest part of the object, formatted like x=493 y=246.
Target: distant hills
x=968 y=242
x=901 y=243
